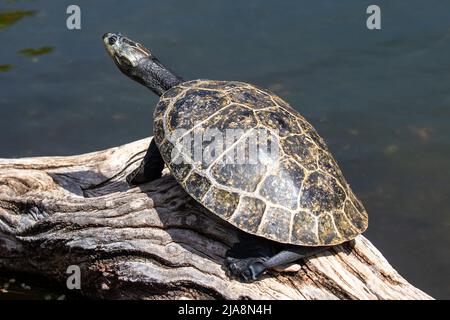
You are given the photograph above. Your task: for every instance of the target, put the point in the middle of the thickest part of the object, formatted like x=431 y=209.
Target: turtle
x=287 y=208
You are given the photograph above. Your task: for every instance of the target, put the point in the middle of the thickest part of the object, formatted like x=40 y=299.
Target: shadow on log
x=154 y=241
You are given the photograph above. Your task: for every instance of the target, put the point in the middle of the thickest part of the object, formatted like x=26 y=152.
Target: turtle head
x=125 y=53
x=138 y=63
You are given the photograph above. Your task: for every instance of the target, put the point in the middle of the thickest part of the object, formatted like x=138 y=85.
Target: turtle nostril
x=112 y=40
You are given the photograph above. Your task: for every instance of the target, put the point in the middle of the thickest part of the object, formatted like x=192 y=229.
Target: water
x=381 y=99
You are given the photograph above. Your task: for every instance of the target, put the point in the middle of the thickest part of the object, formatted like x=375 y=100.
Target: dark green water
x=381 y=99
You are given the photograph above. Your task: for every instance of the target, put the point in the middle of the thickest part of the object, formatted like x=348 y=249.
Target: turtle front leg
x=150 y=168
x=252 y=268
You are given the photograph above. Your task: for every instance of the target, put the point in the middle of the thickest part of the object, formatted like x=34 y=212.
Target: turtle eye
x=112 y=40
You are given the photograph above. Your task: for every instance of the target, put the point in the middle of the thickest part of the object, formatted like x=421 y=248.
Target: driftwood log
x=154 y=241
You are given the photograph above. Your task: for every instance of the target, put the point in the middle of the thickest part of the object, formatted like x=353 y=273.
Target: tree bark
x=154 y=241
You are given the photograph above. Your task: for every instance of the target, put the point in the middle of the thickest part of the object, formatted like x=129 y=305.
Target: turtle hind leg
x=245 y=260
x=252 y=268
x=247 y=269
x=150 y=168
x=292 y=253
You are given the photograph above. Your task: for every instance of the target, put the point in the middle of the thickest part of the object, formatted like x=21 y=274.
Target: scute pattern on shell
x=302 y=199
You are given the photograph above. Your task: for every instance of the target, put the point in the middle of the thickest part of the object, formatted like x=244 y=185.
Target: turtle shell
x=300 y=198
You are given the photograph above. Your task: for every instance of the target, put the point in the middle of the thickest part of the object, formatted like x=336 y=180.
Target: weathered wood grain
x=154 y=241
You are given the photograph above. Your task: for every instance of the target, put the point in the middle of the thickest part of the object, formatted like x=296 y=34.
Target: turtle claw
x=245 y=270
